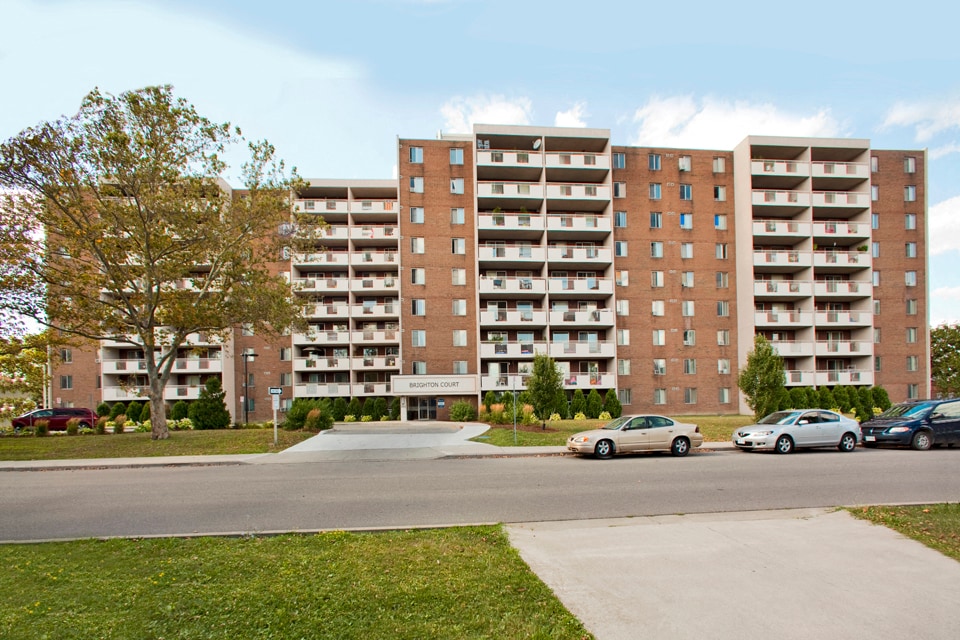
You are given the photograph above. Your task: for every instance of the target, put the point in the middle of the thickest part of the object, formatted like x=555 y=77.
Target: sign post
x=275 y=392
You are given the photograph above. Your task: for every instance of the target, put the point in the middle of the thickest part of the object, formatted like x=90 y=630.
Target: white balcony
x=322 y=337
x=780 y=168
x=857 y=170
x=789 y=229
x=841 y=230
x=526 y=350
x=111 y=394
x=794 y=289
x=841 y=199
x=844 y=348
x=583 y=349
x=842 y=289
x=792 y=318
x=375 y=362
x=375 y=311
x=510 y=190
x=575 y=160
x=503 y=383
x=587 y=317
x=333 y=232
x=373 y=206
x=503 y=286
x=123 y=340
x=579 y=254
x=374 y=259
x=322 y=390
x=835 y=259
x=371 y=389
x=321 y=364
x=320 y=206
x=510 y=222
x=174 y=392
x=335 y=258
x=589 y=381
x=575 y=191
x=847 y=377
x=843 y=319
x=321 y=284
x=515 y=317
x=198 y=365
x=578 y=223
x=775 y=198
x=123 y=366
x=792 y=348
x=375 y=285
x=379 y=232
x=782 y=260
x=797 y=378
x=374 y=336
x=511 y=253
x=584 y=286
x=326 y=311
x=510 y=159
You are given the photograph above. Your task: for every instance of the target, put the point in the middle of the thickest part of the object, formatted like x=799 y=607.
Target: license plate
x=741 y=441
x=869 y=438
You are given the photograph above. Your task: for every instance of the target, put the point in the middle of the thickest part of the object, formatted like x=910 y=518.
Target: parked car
x=629 y=434
x=56 y=418
x=784 y=431
x=920 y=424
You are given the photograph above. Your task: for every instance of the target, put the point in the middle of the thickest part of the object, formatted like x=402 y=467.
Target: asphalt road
x=313 y=496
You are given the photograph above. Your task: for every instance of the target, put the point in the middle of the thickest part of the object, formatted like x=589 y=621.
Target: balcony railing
x=782 y=318
x=601 y=317
x=843 y=288
x=522 y=190
x=576 y=191
x=844 y=318
x=781 y=228
x=841 y=170
x=784 y=288
x=578 y=222
x=779 y=168
x=844 y=348
x=322 y=390
x=579 y=254
x=321 y=206
x=322 y=337
x=772 y=197
x=845 y=377
x=584 y=285
x=533 y=318
x=841 y=199
x=524 y=285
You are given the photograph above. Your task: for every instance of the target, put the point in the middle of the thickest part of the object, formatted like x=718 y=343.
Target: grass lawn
x=445 y=583
x=713 y=428
x=134 y=445
x=935 y=525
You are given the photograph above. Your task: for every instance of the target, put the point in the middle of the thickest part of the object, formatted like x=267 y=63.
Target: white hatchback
x=784 y=431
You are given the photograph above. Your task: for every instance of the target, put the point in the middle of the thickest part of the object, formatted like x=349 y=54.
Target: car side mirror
x=803 y=422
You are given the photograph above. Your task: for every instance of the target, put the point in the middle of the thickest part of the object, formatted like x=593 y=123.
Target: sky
x=333 y=83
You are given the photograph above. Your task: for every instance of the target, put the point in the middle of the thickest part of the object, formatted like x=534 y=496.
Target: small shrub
x=103 y=410
x=317 y=420
x=527 y=415
x=133 y=411
x=580 y=415
x=366 y=418
x=119 y=423
x=142 y=427
x=498 y=414
x=86 y=431
x=384 y=418
x=117 y=409
x=349 y=418
x=101 y=427
x=41 y=428
x=145 y=413
x=339 y=409
x=555 y=417
x=877 y=411
x=180 y=410
x=462 y=411
x=73 y=426
x=605 y=415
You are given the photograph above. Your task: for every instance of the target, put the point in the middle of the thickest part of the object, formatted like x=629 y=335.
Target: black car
x=921 y=424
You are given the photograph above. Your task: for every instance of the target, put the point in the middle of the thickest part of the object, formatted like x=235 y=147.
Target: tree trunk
x=158 y=414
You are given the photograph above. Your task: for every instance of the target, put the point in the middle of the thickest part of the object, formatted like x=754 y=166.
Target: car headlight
x=898 y=429
x=759 y=433
x=579 y=439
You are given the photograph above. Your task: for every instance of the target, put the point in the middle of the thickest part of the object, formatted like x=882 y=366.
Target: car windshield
x=907 y=410
x=780 y=417
x=616 y=424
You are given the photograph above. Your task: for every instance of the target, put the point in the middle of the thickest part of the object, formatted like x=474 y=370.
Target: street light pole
x=248 y=356
x=515 y=406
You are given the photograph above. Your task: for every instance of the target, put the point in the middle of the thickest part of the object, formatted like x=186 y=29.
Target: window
x=875 y=249
x=690 y=395
x=910 y=278
x=619 y=160
x=877 y=363
x=911 y=335
x=656 y=307
x=687 y=308
x=66 y=356
x=416 y=155
x=874 y=192
x=620 y=219
x=416 y=215
x=459 y=367
x=723 y=308
x=620 y=249
x=459 y=307
x=720 y=222
x=416 y=184
x=418 y=338
x=910 y=193
x=659 y=396
x=623 y=367
x=910 y=221
x=913 y=391
x=723 y=337
x=723 y=280
x=689 y=366
x=719 y=193
x=418 y=307
x=719 y=165
x=625 y=396
x=286 y=379
x=458 y=246
x=418 y=276
x=723 y=366
x=456 y=185
x=418 y=368
x=689 y=337
x=686 y=192
x=876 y=278
x=619 y=189
x=686 y=278
x=911 y=249
x=623 y=337
x=653 y=162
x=286 y=354
x=459 y=337
x=659 y=366
x=874 y=220
x=656 y=220
x=686 y=221
x=656 y=249
x=913 y=363
x=656 y=279
x=724 y=395
x=623 y=278
x=659 y=337
x=686 y=250
x=876 y=335
x=685 y=163
x=874 y=164
x=911 y=307
x=458 y=277
x=623 y=307
x=416 y=245
x=721 y=251
x=909 y=165
x=456 y=215
x=66 y=382
x=654 y=190
x=456 y=155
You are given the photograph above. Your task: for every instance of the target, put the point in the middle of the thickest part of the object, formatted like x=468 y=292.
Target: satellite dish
x=536 y=144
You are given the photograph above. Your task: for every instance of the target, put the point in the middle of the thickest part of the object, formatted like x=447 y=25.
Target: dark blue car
x=920 y=424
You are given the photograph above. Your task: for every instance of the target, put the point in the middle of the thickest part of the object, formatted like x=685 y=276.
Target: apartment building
x=644 y=270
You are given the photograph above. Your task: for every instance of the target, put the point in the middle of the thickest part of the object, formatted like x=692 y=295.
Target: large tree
x=23 y=371
x=762 y=380
x=945 y=358
x=544 y=385
x=142 y=241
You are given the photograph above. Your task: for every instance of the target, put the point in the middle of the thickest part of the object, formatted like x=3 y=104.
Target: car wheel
x=848 y=442
x=921 y=441
x=603 y=450
x=784 y=445
x=680 y=447
x=84 y=425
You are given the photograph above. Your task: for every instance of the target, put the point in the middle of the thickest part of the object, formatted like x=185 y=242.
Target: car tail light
x=696 y=428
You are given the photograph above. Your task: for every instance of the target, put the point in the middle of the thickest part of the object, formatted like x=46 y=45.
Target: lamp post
x=515 y=407
x=248 y=356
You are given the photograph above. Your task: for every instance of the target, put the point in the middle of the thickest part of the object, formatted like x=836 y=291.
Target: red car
x=56 y=418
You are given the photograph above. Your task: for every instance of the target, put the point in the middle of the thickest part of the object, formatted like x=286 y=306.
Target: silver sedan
x=784 y=431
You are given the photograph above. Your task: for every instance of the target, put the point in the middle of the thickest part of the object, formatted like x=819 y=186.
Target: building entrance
x=422 y=408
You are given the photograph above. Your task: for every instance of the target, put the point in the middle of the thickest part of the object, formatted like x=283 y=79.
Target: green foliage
x=23 y=360
x=881 y=399
x=945 y=359
x=319 y=417
x=561 y=406
x=209 y=411
x=377 y=408
x=506 y=399
x=297 y=415
x=73 y=426
x=761 y=381
x=825 y=398
x=865 y=400
x=133 y=411
x=783 y=400
x=798 y=398
x=462 y=411
x=578 y=404
x=103 y=409
x=145 y=413
x=119 y=423
x=489 y=399
x=594 y=404
x=543 y=384
x=354 y=408
x=181 y=409
x=339 y=409
x=41 y=428
x=611 y=404
x=117 y=409
x=101 y=427
x=395 y=409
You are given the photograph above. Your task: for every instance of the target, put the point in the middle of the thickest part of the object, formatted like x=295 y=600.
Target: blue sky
x=333 y=83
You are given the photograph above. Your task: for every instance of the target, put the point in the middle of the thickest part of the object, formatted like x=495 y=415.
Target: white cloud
x=460 y=114
x=951 y=293
x=572 y=117
x=927 y=118
x=944 y=226
x=945 y=150
x=682 y=121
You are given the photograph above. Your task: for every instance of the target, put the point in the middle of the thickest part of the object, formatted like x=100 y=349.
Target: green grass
x=714 y=429
x=449 y=583
x=935 y=525
x=135 y=445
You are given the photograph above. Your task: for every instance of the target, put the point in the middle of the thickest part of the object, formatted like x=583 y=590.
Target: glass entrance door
x=422 y=409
